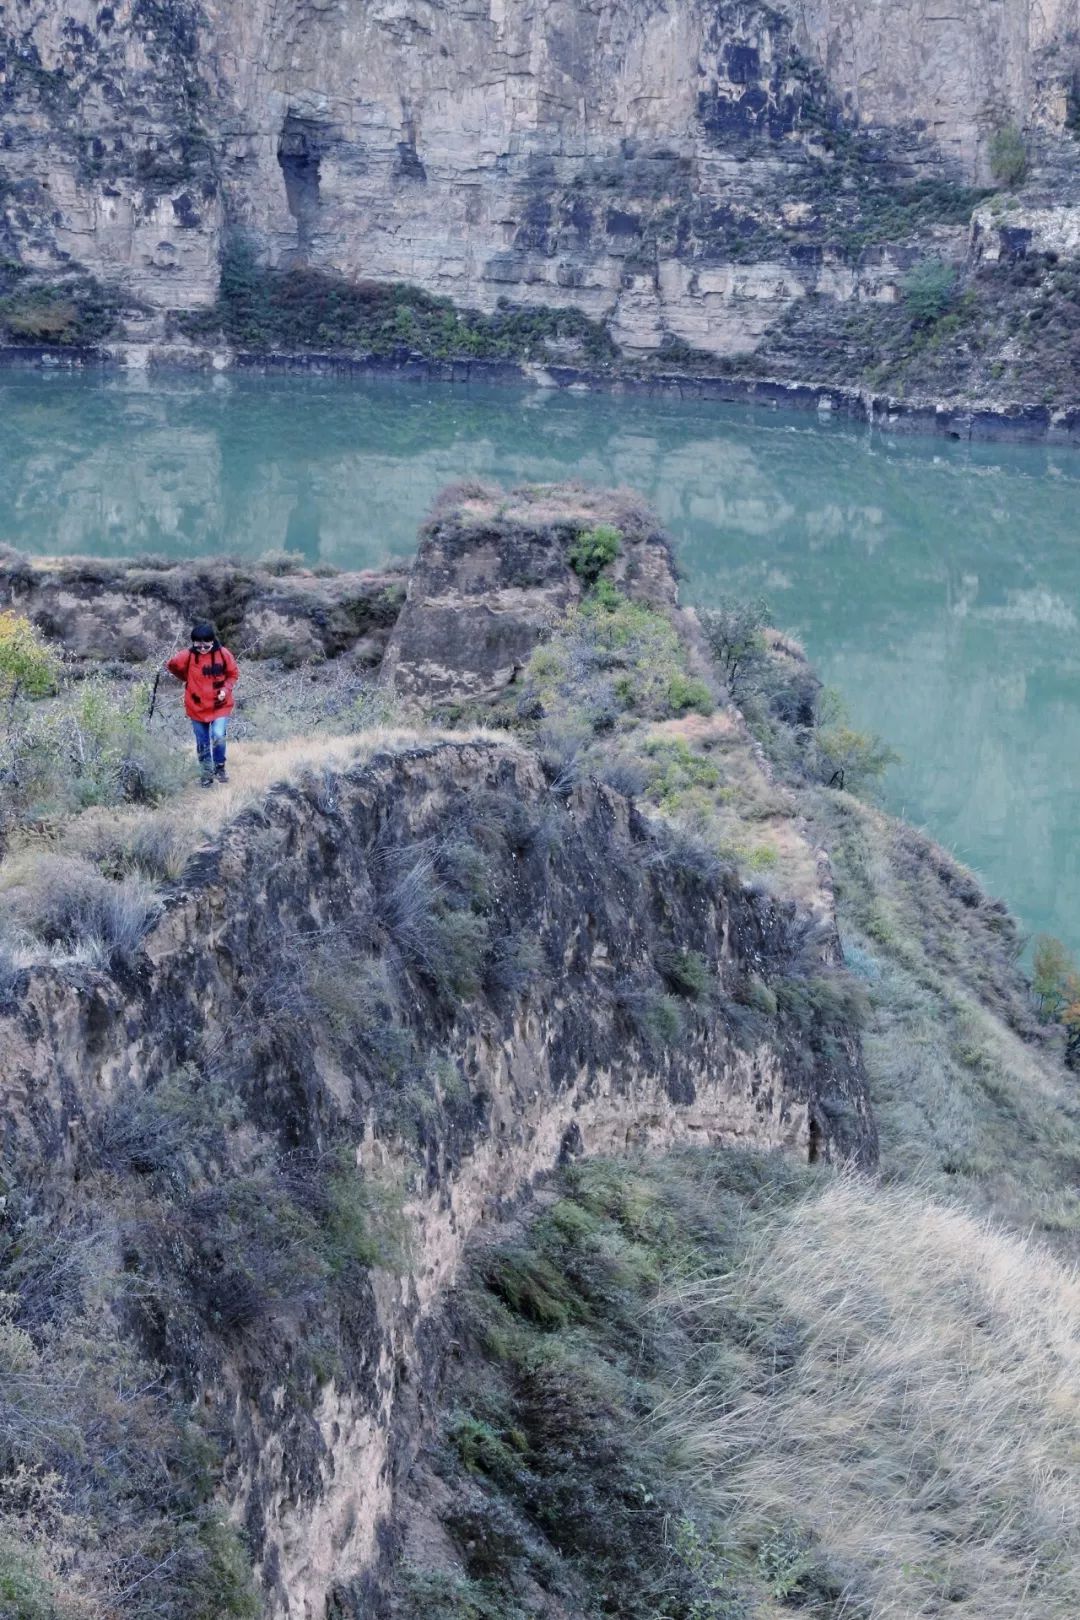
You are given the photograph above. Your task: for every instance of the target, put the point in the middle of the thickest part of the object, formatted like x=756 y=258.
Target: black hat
x=202 y=631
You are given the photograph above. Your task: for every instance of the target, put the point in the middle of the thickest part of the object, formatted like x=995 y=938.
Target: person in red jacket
x=209 y=673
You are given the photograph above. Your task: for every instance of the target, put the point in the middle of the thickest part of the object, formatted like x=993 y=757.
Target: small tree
x=848 y=758
x=929 y=288
x=1052 y=970
x=1055 y=984
x=1008 y=155
x=734 y=634
x=594 y=550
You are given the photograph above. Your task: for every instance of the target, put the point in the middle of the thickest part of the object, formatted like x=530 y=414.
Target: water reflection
x=937 y=586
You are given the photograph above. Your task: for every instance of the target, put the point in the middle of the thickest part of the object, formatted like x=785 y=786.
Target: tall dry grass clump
x=919 y=1426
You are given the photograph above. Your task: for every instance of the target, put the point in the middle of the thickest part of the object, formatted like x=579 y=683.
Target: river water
x=935 y=585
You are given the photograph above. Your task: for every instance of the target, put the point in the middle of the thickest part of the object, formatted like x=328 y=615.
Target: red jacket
x=205 y=675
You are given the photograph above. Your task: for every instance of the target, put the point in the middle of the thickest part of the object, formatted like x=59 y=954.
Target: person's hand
x=219 y=695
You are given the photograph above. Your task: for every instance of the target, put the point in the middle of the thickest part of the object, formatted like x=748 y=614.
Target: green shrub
x=675 y=769
x=442 y=1595
x=25 y=1588
x=847 y=758
x=686 y=972
x=27 y=666
x=261 y=308
x=1008 y=156
x=611 y=656
x=1055 y=984
x=593 y=551
x=533 y=1287
x=77 y=311
x=655 y=1018
x=91 y=746
x=480 y=1448
x=363 y=1222
x=225 y=1589
x=929 y=288
x=687 y=692
x=1053 y=975
x=463 y=944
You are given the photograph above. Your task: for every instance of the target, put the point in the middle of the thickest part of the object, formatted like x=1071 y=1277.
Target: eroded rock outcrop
x=494 y=573
x=129 y=612
x=372 y=1010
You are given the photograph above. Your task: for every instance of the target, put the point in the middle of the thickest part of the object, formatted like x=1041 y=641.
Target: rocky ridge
x=415 y=983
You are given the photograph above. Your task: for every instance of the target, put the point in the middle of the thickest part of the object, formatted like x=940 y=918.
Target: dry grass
x=83 y=888
x=535 y=505
x=922 y=1436
x=970 y=1095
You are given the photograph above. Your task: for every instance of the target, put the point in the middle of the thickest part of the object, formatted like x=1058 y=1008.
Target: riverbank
x=976 y=421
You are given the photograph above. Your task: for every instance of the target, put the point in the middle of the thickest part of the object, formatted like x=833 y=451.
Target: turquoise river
x=935 y=585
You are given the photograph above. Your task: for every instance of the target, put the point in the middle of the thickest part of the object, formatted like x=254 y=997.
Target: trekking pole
x=153 y=696
x=157 y=683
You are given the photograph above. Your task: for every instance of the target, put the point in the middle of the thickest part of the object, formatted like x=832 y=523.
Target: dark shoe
x=206 y=780
x=220 y=774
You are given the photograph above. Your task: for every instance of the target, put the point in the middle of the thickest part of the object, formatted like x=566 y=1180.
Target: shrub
x=27 y=666
x=462 y=947
x=406 y=904
x=79 y=311
x=675 y=769
x=687 y=692
x=610 y=657
x=1055 y=984
x=654 y=1017
x=594 y=550
x=685 y=971
x=928 y=289
x=363 y=1221
x=1008 y=155
x=26 y=1590
x=512 y=965
x=9 y=973
x=50 y=321
x=61 y=901
x=300 y=308
x=90 y=747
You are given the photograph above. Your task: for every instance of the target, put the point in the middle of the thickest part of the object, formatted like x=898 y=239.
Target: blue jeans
x=210 y=741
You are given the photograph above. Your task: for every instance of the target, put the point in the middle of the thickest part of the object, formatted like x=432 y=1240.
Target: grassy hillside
x=720 y=1386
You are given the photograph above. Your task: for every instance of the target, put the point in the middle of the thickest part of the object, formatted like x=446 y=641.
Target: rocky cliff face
x=495 y=950
x=687 y=175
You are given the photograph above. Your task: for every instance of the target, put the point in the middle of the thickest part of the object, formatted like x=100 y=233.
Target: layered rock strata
x=686 y=176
